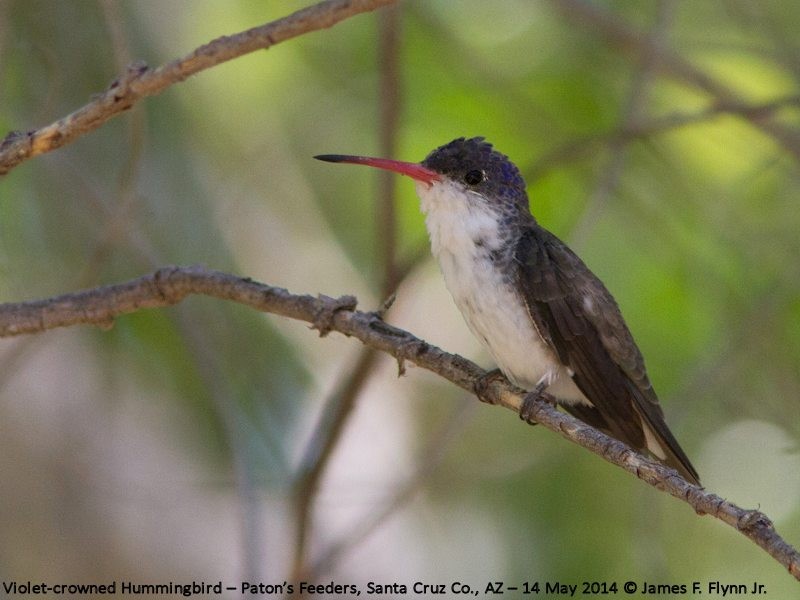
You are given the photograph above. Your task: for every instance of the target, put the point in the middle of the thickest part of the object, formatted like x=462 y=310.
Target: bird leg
x=530 y=399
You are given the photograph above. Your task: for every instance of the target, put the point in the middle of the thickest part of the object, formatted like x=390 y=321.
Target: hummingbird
x=548 y=322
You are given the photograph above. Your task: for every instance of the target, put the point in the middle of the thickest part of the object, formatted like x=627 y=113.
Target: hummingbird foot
x=537 y=394
x=481 y=385
x=323 y=319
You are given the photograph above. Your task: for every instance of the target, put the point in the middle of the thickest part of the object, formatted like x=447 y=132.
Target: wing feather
x=580 y=320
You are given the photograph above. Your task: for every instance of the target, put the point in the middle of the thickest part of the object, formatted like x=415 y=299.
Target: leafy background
x=168 y=447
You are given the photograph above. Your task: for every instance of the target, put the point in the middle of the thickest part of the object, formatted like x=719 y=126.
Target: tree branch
x=140 y=81
x=170 y=285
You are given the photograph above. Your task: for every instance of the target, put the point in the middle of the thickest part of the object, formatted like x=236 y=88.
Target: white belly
x=489 y=304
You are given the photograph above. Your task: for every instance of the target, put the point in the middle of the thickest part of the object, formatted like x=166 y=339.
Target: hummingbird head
x=474 y=165
x=468 y=168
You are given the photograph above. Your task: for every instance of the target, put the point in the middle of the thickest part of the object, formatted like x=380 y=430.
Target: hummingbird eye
x=474 y=177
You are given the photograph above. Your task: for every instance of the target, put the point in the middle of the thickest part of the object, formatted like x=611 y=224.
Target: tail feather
x=659 y=440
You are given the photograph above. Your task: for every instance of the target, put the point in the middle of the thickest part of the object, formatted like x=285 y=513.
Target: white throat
x=455 y=220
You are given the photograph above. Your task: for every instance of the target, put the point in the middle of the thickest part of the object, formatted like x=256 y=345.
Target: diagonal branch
x=170 y=285
x=327 y=434
x=140 y=81
x=621 y=35
x=629 y=132
x=434 y=454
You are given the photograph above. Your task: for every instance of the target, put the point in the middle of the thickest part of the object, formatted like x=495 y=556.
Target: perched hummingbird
x=547 y=320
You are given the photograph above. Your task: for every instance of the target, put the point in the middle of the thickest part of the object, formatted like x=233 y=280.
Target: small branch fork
x=140 y=81
x=170 y=285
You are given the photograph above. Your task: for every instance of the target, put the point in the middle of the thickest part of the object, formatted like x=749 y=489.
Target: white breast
x=492 y=309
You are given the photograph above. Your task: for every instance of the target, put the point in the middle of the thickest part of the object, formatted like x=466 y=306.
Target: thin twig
x=339 y=406
x=210 y=372
x=327 y=433
x=611 y=172
x=117 y=218
x=389 y=102
x=140 y=81
x=431 y=457
x=618 y=33
x=587 y=145
x=170 y=285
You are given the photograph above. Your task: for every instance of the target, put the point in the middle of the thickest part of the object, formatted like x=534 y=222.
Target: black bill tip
x=335 y=158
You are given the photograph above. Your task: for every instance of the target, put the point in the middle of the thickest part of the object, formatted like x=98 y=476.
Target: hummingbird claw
x=537 y=394
x=323 y=319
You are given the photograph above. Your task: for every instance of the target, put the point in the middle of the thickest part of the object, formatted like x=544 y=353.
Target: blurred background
x=660 y=139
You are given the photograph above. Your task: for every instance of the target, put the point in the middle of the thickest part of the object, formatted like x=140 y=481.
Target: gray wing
x=581 y=322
